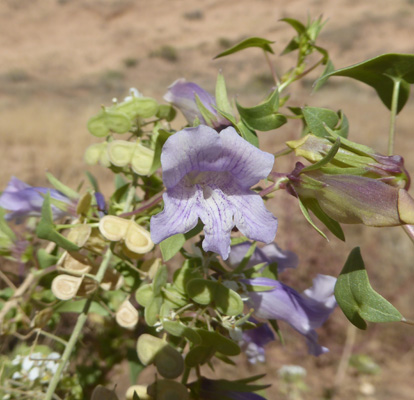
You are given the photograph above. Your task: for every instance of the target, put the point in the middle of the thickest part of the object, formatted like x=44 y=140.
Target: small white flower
x=133 y=93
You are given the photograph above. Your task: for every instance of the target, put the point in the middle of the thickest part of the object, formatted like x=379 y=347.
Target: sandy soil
x=59 y=60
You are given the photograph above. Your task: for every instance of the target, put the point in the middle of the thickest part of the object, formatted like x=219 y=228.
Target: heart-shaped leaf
x=382 y=73
x=357 y=299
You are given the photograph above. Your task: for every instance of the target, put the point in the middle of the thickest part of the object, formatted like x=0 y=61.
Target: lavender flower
x=304 y=312
x=182 y=94
x=23 y=200
x=268 y=254
x=254 y=340
x=208 y=176
x=208 y=389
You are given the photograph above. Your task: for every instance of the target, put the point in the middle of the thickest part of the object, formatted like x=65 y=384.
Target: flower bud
x=353 y=159
x=354 y=199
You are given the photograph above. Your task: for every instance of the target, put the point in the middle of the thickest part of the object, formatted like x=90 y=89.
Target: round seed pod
x=138 y=239
x=65 y=287
x=75 y=266
x=127 y=315
x=164 y=389
x=169 y=362
x=113 y=228
x=80 y=234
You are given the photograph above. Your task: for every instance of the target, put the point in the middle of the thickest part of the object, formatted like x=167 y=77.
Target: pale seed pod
x=127 y=315
x=75 y=266
x=87 y=287
x=112 y=280
x=136 y=238
x=65 y=287
x=80 y=234
x=140 y=390
x=113 y=228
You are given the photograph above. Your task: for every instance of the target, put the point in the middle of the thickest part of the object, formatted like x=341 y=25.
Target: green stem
x=394 y=107
x=76 y=331
x=84 y=315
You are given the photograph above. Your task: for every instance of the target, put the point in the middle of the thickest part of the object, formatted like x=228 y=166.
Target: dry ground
x=61 y=59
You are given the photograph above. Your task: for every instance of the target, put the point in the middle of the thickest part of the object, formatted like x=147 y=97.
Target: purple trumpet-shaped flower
x=208 y=176
x=268 y=254
x=208 y=389
x=254 y=340
x=23 y=200
x=182 y=94
x=304 y=312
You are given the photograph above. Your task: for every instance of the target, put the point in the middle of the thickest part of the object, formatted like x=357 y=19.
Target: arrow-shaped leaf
x=356 y=298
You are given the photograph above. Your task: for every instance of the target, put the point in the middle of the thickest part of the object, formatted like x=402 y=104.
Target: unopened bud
x=355 y=199
x=353 y=159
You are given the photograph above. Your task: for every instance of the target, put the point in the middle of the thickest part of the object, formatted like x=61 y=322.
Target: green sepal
x=303 y=207
x=244 y=44
x=46 y=229
x=61 y=187
x=247 y=133
x=381 y=73
x=172 y=245
x=208 y=116
x=356 y=298
x=222 y=99
x=263 y=117
x=333 y=226
x=325 y=160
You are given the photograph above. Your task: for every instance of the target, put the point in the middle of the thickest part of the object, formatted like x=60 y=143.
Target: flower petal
x=179 y=214
x=182 y=95
x=251 y=216
x=303 y=312
x=203 y=149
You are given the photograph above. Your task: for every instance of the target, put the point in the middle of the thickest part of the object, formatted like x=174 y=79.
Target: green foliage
x=264 y=44
x=357 y=299
x=382 y=73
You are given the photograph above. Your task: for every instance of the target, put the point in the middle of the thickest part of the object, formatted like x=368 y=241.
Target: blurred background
x=61 y=59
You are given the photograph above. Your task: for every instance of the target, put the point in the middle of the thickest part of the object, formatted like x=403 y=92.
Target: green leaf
x=46 y=229
x=5 y=230
x=244 y=44
x=208 y=116
x=381 y=73
x=160 y=280
x=45 y=259
x=324 y=77
x=152 y=311
x=357 y=299
x=178 y=329
x=220 y=343
x=263 y=117
x=92 y=181
x=295 y=24
x=66 y=190
x=316 y=119
x=172 y=245
x=199 y=355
